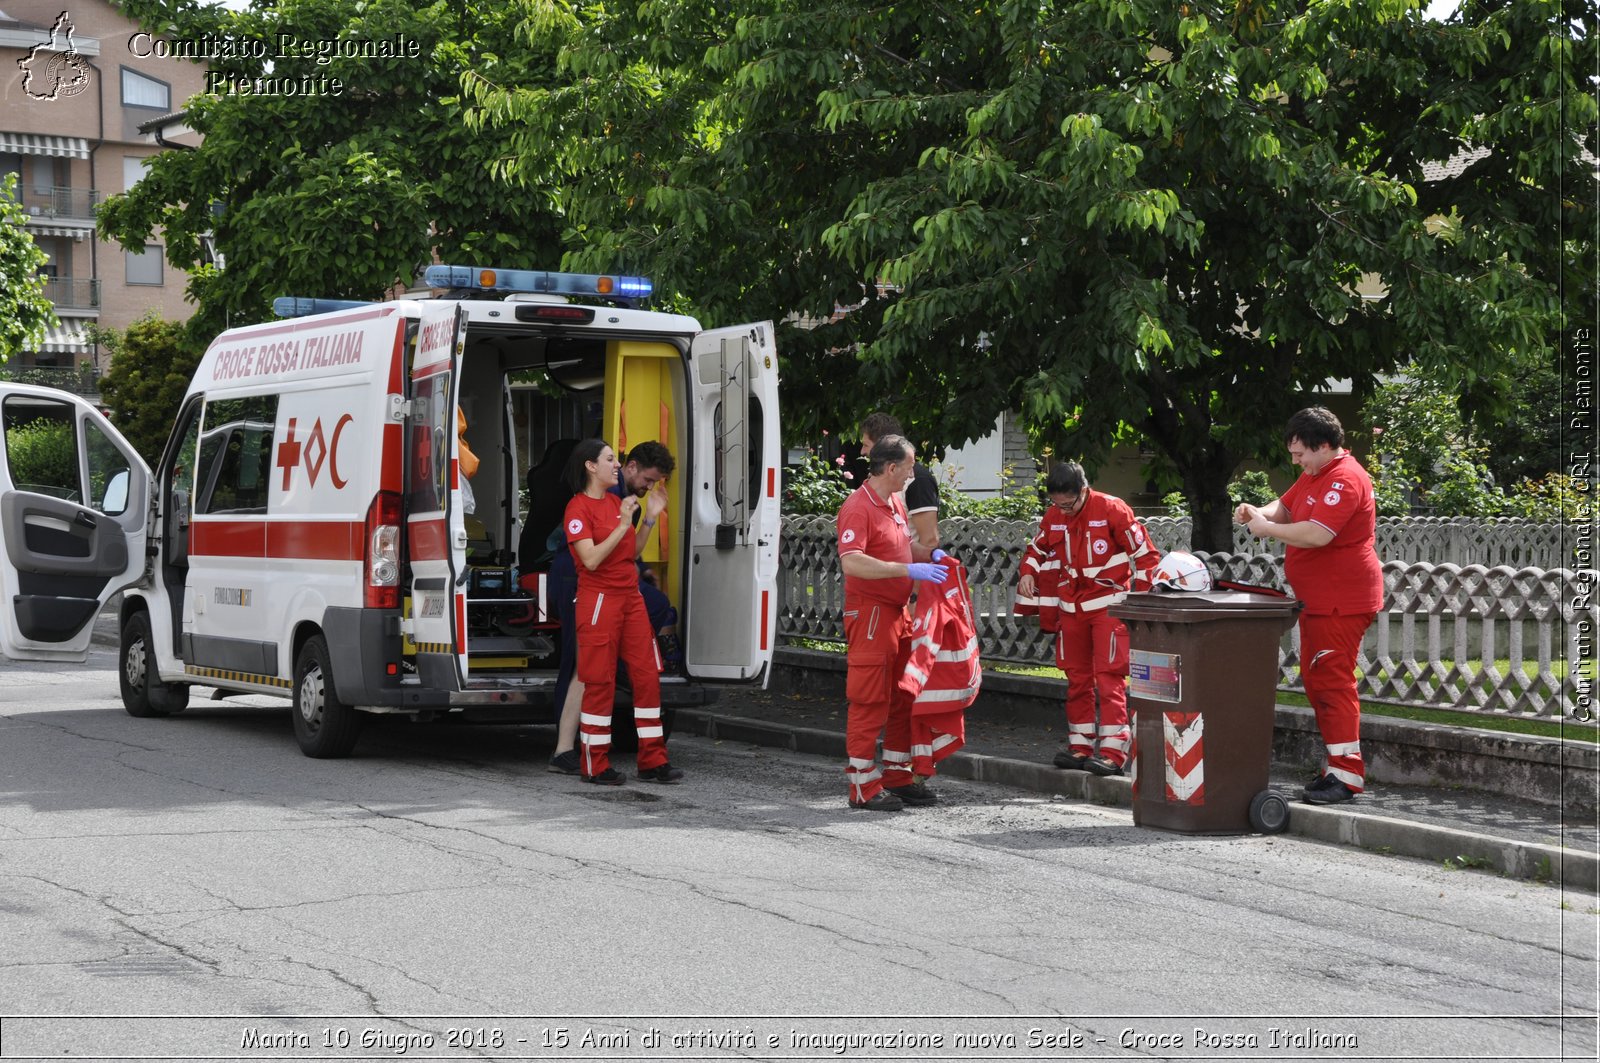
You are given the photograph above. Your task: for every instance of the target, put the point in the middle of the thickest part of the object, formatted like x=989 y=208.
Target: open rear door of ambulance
x=436 y=531
x=732 y=577
x=74 y=508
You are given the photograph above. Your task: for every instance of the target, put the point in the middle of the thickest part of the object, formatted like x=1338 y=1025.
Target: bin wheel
x=1269 y=812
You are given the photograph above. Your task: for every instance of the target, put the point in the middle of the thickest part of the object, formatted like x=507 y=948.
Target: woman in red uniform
x=611 y=619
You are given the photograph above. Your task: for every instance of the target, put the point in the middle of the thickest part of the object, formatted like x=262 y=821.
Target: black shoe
x=1098 y=765
x=1334 y=793
x=913 y=794
x=882 y=801
x=1320 y=782
x=609 y=777
x=662 y=773
x=566 y=763
x=1069 y=761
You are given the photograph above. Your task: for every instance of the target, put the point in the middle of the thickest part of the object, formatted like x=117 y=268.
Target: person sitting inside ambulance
x=612 y=623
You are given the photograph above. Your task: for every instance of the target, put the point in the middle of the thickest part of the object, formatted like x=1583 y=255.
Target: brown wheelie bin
x=1202 y=684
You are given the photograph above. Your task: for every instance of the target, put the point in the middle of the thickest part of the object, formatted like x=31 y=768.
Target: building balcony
x=79 y=379
x=72 y=293
x=62 y=206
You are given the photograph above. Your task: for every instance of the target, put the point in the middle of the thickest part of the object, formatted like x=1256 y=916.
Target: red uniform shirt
x=596 y=519
x=1344 y=576
x=869 y=525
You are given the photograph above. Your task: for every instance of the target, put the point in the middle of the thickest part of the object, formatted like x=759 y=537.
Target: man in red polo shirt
x=1326 y=523
x=880 y=561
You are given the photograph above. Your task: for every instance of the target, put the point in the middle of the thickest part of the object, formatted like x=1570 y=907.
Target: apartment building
x=74 y=90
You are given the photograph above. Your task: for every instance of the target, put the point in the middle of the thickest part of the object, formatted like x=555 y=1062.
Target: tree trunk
x=1211 y=512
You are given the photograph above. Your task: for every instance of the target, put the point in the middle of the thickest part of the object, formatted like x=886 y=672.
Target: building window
x=133 y=170
x=144 y=268
x=11 y=163
x=141 y=91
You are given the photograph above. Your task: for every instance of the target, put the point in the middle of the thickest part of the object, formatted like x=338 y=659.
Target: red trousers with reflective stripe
x=1092 y=648
x=612 y=624
x=875 y=658
x=1329 y=646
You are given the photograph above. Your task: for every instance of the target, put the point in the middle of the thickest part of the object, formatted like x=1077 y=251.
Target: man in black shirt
x=922 y=493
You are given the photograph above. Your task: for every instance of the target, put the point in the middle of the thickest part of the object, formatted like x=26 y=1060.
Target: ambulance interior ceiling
x=577 y=363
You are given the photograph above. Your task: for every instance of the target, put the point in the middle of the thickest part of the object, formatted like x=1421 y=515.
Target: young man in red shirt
x=880 y=561
x=1326 y=523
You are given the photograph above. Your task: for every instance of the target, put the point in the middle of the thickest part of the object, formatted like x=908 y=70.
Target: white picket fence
x=1501 y=638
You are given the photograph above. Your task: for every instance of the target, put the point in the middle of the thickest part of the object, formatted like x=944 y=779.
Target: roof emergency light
x=609 y=286
x=301 y=306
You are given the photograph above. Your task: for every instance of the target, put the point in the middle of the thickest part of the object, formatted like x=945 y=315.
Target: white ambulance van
x=304 y=533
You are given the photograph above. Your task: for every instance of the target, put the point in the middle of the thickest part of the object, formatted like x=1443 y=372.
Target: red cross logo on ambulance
x=320 y=448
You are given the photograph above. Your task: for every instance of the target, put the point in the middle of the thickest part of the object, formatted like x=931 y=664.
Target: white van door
x=436 y=530
x=731 y=584
x=74 y=507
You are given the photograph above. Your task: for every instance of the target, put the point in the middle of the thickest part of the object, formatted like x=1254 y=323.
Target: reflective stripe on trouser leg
x=639 y=652
x=597 y=668
x=1110 y=638
x=1329 y=647
x=863 y=777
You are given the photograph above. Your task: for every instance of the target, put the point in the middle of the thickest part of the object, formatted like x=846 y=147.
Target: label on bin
x=1154 y=676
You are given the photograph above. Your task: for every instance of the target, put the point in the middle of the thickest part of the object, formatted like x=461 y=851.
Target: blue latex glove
x=927 y=571
x=938 y=554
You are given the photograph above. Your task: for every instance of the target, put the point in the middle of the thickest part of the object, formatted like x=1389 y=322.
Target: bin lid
x=1191 y=607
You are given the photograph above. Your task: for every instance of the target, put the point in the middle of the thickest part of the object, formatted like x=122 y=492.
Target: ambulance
x=304 y=534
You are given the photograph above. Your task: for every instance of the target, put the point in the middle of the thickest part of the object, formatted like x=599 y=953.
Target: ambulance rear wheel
x=143 y=692
x=324 y=726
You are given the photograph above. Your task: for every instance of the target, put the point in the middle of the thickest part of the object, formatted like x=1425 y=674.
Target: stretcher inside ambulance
x=304 y=533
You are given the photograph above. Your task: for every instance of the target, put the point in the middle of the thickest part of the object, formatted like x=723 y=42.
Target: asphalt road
x=441 y=895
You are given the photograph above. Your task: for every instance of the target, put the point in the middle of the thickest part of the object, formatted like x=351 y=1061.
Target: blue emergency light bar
x=300 y=306
x=606 y=286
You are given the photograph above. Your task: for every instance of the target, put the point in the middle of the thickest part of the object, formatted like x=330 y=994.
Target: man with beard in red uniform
x=880 y=561
x=1326 y=523
x=1090 y=551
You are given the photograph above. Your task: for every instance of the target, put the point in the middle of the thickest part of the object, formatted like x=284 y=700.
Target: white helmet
x=1180 y=571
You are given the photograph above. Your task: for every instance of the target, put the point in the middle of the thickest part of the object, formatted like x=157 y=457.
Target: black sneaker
x=566 y=763
x=882 y=801
x=1069 y=761
x=1336 y=792
x=1098 y=765
x=1320 y=782
x=913 y=794
x=609 y=777
x=663 y=773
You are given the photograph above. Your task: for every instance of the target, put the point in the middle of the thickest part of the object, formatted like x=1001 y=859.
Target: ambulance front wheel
x=143 y=692
x=1269 y=812
x=324 y=726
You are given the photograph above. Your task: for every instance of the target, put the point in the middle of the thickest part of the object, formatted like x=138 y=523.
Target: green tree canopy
x=25 y=313
x=338 y=195
x=152 y=362
x=1122 y=217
